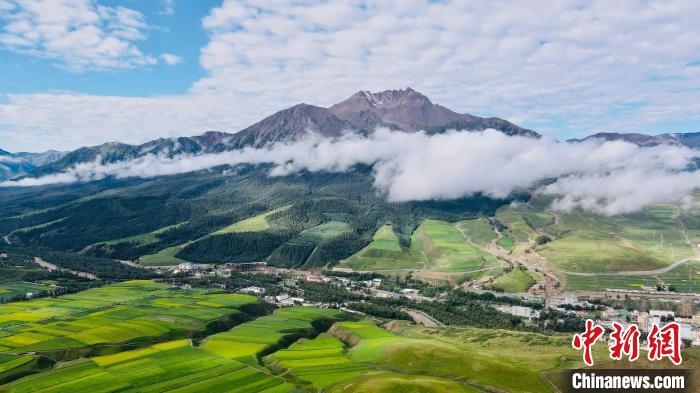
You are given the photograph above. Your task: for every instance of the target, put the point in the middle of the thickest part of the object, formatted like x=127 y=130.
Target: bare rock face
x=411 y=111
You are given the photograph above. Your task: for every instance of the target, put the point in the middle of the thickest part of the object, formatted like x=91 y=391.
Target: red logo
x=586 y=340
x=627 y=343
x=663 y=342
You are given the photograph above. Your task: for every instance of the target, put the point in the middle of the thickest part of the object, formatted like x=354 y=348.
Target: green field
x=684 y=278
x=11 y=289
x=245 y=342
x=322 y=361
x=635 y=242
x=328 y=230
x=445 y=249
x=129 y=313
x=469 y=357
x=173 y=366
x=163 y=257
x=383 y=253
x=253 y=224
x=478 y=231
x=517 y=280
x=435 y=245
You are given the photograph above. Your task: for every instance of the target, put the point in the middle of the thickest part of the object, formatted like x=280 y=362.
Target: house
x=252 y=290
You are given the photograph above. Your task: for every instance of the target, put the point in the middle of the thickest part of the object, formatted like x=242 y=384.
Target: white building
x=252 y=290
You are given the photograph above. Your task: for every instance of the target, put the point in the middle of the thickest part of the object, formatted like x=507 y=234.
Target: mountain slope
x=412 y=111
x=406 y=110
x=691 y=139
x=19 y=164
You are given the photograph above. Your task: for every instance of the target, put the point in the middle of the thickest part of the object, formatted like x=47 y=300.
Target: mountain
x=20 y=164
x=405 y=109
x=290 y=124
x=691 y=139
x=412 y=111
x=209 y=142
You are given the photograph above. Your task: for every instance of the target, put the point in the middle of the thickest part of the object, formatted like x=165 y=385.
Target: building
x=185 y=267
x=252 y=290
x=246 y=266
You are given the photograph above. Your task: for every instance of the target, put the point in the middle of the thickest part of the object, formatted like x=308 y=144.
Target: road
x=51 y=267
x=422 y=318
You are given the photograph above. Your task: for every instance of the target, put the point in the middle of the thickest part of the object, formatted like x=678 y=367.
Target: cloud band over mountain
x=602 y=177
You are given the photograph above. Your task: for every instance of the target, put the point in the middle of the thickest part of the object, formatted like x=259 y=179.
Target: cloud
x=170 y=59
x=563 y=68
x=603 y=177
x=79 y=34
x=168 y=7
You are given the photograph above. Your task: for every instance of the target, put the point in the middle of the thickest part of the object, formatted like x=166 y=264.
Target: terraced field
x=245 y=342
x=102 y=319
x=223 y=363
x=322 y=361
x=174 y=366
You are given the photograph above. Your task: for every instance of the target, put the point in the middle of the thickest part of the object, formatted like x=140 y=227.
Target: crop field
x=447 y=250
x=245 y=342
x=478 y=231
x=9 y=290
x=683 y=278
x=173 y=366
x=517 y=280
x=125 y=313
x=383 y=253
x=647 y=240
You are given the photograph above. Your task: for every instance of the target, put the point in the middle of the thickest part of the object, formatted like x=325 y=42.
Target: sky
x=84 y=72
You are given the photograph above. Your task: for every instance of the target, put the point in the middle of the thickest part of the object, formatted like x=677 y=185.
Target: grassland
x=472 y=359
x=127 y=314
x=435 y=246
x=683 y=278
x=253 y=224
x=517 y=280
x=478 y=231
x=446 y=249
x=328 y=230
x=12 y=289
x=163 y=257
x=385 y=252
x=647 y=240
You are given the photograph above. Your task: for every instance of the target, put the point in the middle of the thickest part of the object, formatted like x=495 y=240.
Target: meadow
x=518 y=280
x=12 y=289
x=647 y=240
x=683 y=278
x=385 y=252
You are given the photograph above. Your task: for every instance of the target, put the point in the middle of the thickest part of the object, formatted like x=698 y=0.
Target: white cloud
x=606 y=178
x=170 y=59
x=168 y=7
x=567 y=67
x=78 y=34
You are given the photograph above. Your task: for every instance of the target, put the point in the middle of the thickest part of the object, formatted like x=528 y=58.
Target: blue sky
x=83 y=72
